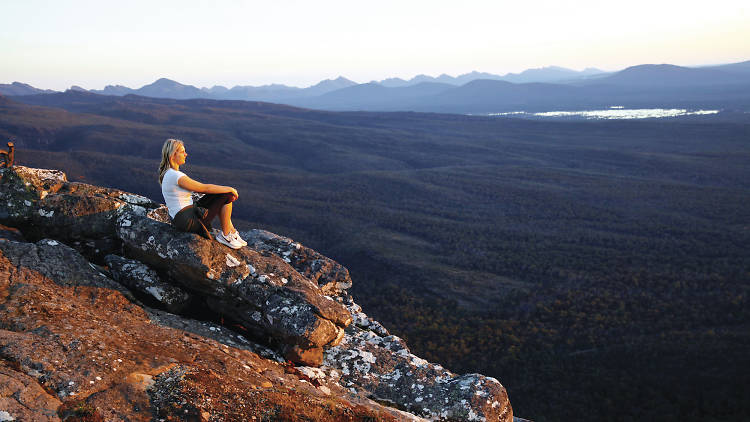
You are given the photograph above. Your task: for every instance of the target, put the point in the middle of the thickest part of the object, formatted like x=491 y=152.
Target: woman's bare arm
x=187 y=183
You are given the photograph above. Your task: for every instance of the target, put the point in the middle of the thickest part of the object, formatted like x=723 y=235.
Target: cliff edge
x=108 y=313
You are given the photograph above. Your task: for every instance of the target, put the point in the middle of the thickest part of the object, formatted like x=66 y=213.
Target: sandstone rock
x=383 y=367
x=305 y=356
x=11 y=233
x=363 y=321
x=22 y=399
x=30 y=181
x=68 y=342
x=60 y=263
x=202 y=329
x=160 y=214
x=42 y=203
x=332 y=277
x=257 y=289
x=139 y=277
x=21 y=187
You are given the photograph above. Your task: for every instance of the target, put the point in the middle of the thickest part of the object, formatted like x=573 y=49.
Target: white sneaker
x=228 y=240
x=237 y=237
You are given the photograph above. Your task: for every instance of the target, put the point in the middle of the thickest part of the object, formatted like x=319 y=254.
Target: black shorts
x=197 y=218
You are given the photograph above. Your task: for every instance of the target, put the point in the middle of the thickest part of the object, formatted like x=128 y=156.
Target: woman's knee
x=227 y=198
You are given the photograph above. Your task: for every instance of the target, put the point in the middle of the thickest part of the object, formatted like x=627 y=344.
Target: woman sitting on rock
x=177 y=188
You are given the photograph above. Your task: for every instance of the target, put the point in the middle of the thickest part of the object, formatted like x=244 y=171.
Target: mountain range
x=642 y=86
x=544 y=74
x=544 y=89
x=166 y=88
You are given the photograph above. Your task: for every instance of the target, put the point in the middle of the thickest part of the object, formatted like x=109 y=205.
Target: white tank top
x=175 y=197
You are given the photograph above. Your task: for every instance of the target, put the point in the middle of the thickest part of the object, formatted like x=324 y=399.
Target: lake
x=614 y=112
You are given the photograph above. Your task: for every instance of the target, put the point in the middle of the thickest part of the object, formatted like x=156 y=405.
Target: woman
x=176 y=188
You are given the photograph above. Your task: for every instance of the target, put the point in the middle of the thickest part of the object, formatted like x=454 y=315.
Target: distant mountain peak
x=20 y=88
x=329 y=85
x=166 y=82
x=659 y=69
x=671 y=75
x=215 y=89
x=662 y=66
x=549 y=69
x=167 y=88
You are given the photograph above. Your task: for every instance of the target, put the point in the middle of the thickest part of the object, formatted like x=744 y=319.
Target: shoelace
x=236 y=235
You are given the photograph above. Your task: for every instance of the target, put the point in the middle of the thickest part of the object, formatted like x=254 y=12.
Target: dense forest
x=599 y=269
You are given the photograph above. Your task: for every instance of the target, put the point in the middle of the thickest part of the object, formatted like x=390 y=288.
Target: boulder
x=21 y=188
x=332 y=277
x=61 y=263
x=42 y=203
x=139 y=277
x=11 y=233
x=383 y=367
x=257 y=289
x=23 y=399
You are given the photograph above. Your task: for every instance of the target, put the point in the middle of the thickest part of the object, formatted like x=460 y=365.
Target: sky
x=57 y=44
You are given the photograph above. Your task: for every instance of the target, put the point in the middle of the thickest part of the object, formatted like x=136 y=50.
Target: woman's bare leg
x=225 y=216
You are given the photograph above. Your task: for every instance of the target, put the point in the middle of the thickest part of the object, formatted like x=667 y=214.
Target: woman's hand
x=233 y=191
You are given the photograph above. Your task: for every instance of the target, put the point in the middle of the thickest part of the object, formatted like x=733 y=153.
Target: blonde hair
x=170 y=146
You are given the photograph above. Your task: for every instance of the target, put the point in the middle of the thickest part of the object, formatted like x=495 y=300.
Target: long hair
x=170 y=145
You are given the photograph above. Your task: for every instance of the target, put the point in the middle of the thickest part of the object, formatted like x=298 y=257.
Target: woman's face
x=179 y=155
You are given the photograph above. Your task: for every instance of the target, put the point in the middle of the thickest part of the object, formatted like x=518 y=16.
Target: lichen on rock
x=332 y=277
x=139 y=277
x=381 y=364
x=295 y=314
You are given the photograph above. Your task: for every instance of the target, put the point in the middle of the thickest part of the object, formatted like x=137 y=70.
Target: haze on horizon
x=54 y=45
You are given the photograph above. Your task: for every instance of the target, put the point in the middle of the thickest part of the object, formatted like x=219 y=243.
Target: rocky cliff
x=108 y=313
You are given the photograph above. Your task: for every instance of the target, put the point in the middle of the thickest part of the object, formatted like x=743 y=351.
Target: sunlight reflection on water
x=614 y=112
